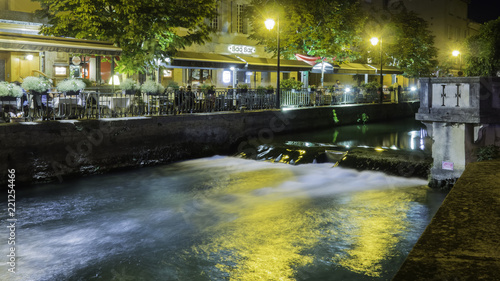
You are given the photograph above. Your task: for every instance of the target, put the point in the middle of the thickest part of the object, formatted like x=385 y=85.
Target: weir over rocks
x=51 y=151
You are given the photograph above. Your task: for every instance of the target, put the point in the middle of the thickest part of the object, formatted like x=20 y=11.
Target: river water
x=221 y=218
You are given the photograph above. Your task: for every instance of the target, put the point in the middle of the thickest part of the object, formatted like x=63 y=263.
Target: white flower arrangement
x=10 y=90
x=129 y=84
x=152 y=87
x=36 y=84
x=71 y=85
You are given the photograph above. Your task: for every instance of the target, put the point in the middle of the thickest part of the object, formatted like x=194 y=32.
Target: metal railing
x=108 y=103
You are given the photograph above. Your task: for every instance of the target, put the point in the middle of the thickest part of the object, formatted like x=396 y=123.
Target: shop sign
x=241 y=49
x=226 y=76
x=76 y=60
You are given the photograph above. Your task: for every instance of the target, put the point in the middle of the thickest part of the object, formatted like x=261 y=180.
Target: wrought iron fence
x=108 y=103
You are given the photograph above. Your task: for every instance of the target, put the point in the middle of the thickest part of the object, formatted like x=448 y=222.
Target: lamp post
x=374 y=42
x=269 y=25
x=457 y=53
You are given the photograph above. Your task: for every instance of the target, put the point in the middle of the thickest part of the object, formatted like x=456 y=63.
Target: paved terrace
x=462 y=242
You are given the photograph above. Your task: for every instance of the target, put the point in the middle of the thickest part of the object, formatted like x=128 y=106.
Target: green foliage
x=37 y=84
x=482 y=56
x=69 y=85
x=129 y=84
x=145 y=30
x=288 y=84
x=363 y=118
x=207 y=87
x=173 y=85
x=87 y=82
x=371 y=87
x=488 y=152
x=10 y=90
x=325 y=28
x=335 y=119
x=261 y=90
x=407 y=43
x=152 y=87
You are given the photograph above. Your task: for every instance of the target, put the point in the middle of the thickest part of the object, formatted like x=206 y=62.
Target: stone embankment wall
x=462 y=242
x=53 y=150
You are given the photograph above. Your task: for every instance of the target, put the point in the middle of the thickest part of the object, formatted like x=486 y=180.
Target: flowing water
x=220 y=218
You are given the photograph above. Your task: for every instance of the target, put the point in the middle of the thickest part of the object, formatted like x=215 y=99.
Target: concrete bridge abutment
x=461 y=115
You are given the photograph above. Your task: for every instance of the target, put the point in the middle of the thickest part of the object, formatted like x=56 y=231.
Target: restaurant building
x=227 y=60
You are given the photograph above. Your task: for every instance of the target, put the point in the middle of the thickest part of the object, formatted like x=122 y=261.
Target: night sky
x=484 y=10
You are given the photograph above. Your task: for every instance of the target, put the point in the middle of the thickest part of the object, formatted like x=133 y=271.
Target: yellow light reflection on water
x=375 y=221
x=268 y=234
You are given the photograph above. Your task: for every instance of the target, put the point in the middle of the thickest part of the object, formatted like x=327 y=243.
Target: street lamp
x=374 y=42
x=457 y=53
x=269 y=25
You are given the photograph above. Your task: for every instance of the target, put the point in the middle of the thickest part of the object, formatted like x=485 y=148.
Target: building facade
x=227 y=60
x=25 y=53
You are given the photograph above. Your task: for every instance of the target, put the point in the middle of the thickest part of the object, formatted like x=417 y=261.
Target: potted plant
x=242 y=88
x=129 y=86
x=270 y=89
x=10 y=91
x=71 y=86
x=172 y=86
x=37 y=85
x=207 y=88
x=370 y=89
x=261 y=90
x=312 y=88
x=151 y=87
x=291 y=84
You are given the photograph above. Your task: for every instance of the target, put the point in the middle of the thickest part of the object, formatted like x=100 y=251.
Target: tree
x=407 y=43
x=325 y=28
x=482 y=56
x=145 y=30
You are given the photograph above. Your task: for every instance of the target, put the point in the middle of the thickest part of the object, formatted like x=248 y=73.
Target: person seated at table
x=338 y=86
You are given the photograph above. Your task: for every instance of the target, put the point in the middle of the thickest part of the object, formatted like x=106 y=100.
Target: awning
x=37 y=43
x=204 y=60
x=307 y=59
x=355 y=68
x=265 y=64
x=387 y=69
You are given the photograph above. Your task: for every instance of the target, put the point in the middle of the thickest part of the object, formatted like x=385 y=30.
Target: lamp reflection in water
x=271 y=235
x=375 y=221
